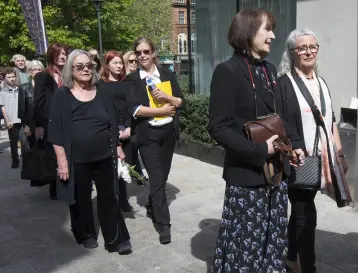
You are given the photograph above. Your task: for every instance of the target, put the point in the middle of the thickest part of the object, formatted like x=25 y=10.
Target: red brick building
x=179 y=25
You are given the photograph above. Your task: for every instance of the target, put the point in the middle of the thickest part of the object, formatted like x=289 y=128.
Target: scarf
x=57 y=75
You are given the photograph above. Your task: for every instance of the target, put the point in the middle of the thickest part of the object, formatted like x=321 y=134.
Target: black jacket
x=59 y=133
x=231 y=106
x=45 y=86
x=119 y=91
x=26 y=104
x=137 y=96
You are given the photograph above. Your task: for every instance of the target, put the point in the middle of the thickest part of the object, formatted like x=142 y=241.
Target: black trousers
x=301 y=228
x=157 y=158
x=14 y=136
x=112 y=224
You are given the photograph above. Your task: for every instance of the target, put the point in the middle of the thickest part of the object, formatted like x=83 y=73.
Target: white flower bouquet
x=127 y=171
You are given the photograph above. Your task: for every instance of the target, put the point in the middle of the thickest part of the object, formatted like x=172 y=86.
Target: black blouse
x=91 y=130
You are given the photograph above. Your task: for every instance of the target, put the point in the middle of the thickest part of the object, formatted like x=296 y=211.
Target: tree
x=74 y=22
x=155 y=20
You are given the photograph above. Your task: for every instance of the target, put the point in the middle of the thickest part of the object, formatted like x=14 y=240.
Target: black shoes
x=126 y=207
x=125 y=248
x=164 y=233
x=15 y=163
x=90 y=243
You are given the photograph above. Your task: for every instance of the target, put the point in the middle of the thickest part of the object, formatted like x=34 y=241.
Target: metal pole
x=98 y=6
x=190 y=69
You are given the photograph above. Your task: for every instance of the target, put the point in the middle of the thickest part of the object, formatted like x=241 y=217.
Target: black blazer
x=119 y=91
x=26 y=104
x=45 y=86
x=138 y=96
x=231 y=106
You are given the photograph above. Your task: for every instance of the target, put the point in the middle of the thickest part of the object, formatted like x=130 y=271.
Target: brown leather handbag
x=261 y=130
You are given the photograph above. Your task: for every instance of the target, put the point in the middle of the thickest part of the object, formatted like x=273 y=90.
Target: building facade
x=335 y=22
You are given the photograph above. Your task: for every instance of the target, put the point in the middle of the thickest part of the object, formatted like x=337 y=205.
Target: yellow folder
x=166 y=87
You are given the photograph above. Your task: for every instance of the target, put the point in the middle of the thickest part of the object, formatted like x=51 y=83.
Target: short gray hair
x=67 y=78
x=286 y=63
x=17 y=56
x=33 y=64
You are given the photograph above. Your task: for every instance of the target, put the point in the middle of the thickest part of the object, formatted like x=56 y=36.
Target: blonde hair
x=126 y=60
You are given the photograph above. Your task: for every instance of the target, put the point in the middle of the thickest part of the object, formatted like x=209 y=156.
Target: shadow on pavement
x=335 y=252
x=35 y=231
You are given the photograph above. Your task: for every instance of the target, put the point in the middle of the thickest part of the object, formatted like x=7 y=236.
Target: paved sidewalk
x=35 y=236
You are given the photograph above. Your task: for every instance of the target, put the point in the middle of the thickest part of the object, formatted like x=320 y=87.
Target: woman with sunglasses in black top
x=155 y=137
x=84 y=133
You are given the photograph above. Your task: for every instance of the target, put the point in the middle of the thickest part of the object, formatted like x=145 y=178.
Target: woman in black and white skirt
x=252 y=235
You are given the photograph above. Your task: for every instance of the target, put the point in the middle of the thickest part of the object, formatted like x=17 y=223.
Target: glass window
x=285 y=13
x=182 y=44
x=193 y=1
x=181 y=17
x=209 y=40
x=193 y=17
x=180 y=1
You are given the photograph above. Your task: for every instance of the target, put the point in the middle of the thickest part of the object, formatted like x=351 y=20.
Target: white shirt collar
x=143 y=74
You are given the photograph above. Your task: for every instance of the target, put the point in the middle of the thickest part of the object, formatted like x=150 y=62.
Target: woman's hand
x=120 y=153
x=297 y=157
x=39 y=132
x=270 y=147
x=168 y=110
x=127 y=133
x=159 y=95
x=62 y=169
x=8 y=125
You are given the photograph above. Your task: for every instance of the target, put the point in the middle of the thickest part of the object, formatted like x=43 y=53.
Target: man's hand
x=127 y=133
x=27 y=130
x=120 y=153
x=159 y=95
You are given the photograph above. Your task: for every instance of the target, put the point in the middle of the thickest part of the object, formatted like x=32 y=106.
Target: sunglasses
x=145 y=52
x=81 y=67
x=132 y=61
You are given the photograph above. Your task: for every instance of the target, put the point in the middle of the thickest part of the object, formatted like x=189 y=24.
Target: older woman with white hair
x=83 y=130
x=26 y=102
x=307 y=108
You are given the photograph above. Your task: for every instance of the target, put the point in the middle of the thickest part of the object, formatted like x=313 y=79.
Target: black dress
x=252 y=235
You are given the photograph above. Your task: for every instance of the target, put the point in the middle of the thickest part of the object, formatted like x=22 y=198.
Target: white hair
x=67 y=77
x=18 y=56
x=286 y=62
x=33 y=64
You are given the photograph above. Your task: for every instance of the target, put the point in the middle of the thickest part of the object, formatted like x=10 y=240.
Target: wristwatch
x=342 y=155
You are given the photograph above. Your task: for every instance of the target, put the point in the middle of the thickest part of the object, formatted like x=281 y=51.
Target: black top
x=119 y=90
x=290 y=106
x=60 y=133
x=45 y=86
x=137 y=96
x=231 y=106
x=26 y=104
x=90 y=134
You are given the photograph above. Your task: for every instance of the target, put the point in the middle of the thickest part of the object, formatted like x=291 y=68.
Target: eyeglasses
x=301 y=50
x=81 y=67
x=145 y=52
x=132 y=61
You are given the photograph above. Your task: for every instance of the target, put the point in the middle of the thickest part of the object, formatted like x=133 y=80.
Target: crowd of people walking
x=88 y=113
